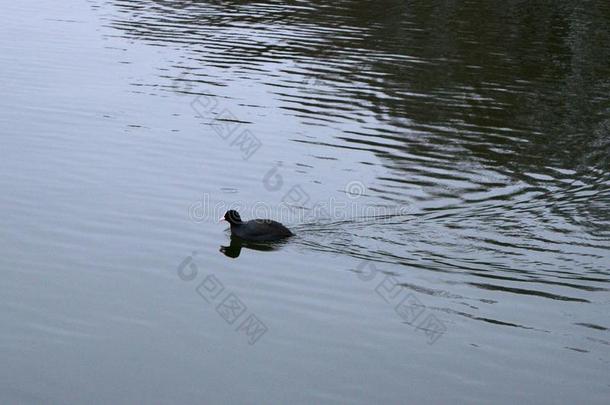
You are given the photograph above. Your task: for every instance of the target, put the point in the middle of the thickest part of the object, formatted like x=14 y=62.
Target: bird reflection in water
x=234 y=248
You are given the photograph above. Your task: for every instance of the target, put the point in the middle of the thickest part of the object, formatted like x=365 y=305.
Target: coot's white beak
x=221 y=219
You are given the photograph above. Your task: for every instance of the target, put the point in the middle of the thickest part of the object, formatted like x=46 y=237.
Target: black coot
x=257 y=230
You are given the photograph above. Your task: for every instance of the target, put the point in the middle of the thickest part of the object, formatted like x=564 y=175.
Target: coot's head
x=232 y=217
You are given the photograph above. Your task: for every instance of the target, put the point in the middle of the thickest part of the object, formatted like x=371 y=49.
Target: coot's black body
x=256 y=230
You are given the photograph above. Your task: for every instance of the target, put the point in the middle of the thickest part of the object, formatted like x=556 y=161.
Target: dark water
x=444 y=164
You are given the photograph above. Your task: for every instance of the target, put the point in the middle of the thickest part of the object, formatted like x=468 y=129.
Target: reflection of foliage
x=598 y=151
x=528 y=80
x=348 y=74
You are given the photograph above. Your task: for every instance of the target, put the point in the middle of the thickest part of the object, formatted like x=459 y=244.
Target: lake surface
x=444 y=165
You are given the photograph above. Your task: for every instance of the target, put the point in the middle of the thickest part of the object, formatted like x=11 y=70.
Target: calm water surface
x=444 y=164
